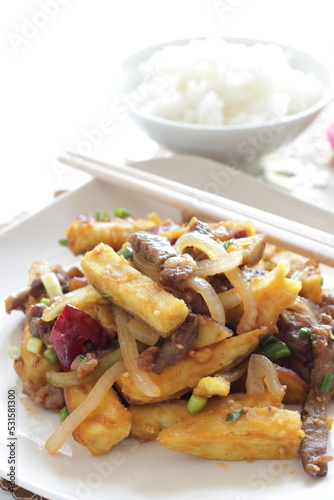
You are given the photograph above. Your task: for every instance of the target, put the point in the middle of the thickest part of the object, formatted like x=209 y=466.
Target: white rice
x=214 y=82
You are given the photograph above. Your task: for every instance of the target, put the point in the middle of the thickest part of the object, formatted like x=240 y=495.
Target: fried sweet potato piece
x=149 y=420
x=301 y=268
x=106 y=426
x=273 y=293
x=177 y=379
x=296 y=387
x=86 y=232
x=252 y=248
x=268 y=433
x=32 y=367
x=210 y=332
x=131 y=290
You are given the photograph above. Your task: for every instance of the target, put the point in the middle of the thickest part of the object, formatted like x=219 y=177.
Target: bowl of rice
x=228 y=99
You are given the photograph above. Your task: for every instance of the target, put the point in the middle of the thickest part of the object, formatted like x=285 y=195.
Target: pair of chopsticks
x=287 y=234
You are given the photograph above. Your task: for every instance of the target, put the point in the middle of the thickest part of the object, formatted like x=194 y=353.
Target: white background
x=60 y=66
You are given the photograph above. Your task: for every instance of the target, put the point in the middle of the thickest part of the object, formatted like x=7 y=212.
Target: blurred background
x=60 y=67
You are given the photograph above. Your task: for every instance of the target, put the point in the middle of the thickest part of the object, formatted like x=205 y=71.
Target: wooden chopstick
x=310 y=242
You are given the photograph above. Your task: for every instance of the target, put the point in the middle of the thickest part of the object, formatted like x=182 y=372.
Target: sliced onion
x=145 y=267
x=215 y=250
x=180 y=260
x=75 y=298
x=230 y=298
x=129 y=349
x=261 y=375
x=243 y=287
x=203 y=242
x=65 y=429
x=235 y=373
x=222 y=265
x=201 y=286
x=68 y=379
x=142 y=332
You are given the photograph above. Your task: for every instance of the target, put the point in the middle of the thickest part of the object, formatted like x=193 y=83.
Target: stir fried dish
x=202 y=336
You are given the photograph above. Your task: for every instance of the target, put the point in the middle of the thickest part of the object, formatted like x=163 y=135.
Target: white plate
x=131 y=470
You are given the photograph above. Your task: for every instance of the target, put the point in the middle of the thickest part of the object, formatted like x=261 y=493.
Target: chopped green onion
x=52 y=285
x=63 y=242
x=51 y=355
x=34 y=345
x=106 y=296
x=275 y=350
x=326 y=383
x=196 y=404
x=45 y=301
x=227 y=243
x=82 y=357
x=126 y=252
x=271 y=339
x=64 y=413
x=234 y=415
x=101 y=215
x=14 y=352
x=122 y=213
x=75 y=298
x=306 y=332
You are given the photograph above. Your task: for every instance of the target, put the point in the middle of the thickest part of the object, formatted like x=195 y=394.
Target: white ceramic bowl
x=237 y=145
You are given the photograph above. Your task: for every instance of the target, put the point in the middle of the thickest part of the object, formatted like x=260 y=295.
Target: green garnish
x=101 y=215
x=234 y=415
x=63 y=243
x=306 y=332
x=51 y=284
x=126 y=252
x=274 y=350
x=271 y=339
x=51 y=355
x=122 y=213
x=64 y=413
x=45 y=301
x=15 y=352
x=82 y=357
x=106 y=296
x=326 y=383
x=227 y=243
x=196 y=404
x=34 y=345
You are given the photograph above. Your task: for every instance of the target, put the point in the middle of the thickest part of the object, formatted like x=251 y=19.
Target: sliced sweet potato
x=268 y=433
x=210 y=332
x=32 y=367
x=106 y=426
x=149 y=420
x=177 y=379
x=131 y=290
x=85 y=234
x=296 y=387
x=252 y=248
